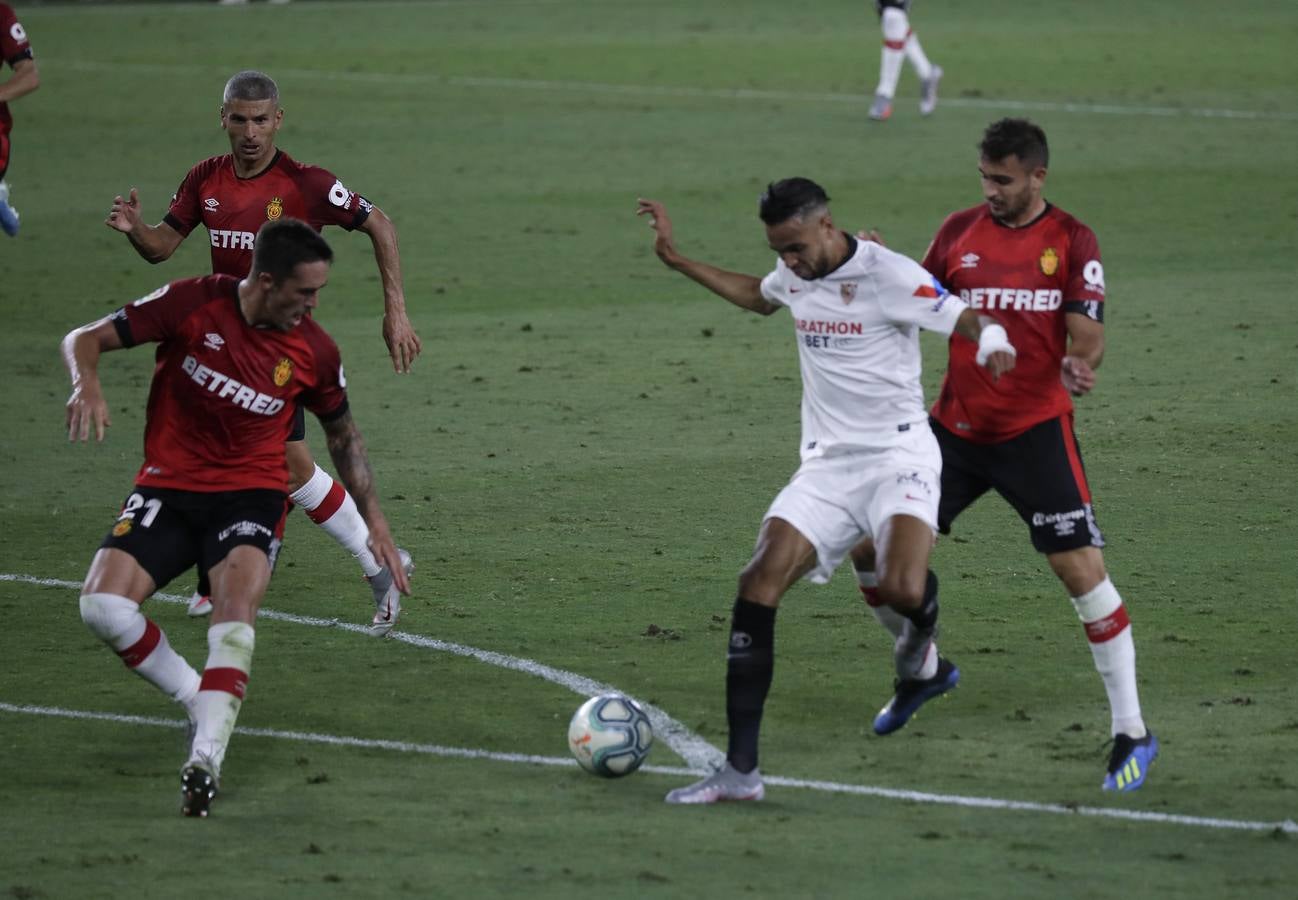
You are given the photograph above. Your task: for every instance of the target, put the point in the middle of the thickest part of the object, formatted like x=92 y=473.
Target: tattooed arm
x=347 y=450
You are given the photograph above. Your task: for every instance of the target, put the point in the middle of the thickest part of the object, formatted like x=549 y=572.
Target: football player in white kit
x=870 y=464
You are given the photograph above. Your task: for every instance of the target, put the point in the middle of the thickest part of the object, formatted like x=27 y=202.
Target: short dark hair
x=250 y=85
x=1016 y=137
x=284 y=244
x=790 y=197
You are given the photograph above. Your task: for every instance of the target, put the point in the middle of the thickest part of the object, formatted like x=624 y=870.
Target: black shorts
x=1039 y=473
x=299 y=424
x=167 y=531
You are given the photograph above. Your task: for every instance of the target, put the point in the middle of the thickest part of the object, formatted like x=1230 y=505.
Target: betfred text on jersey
x=231 y=240
x=226 y=387
x=1042 y=300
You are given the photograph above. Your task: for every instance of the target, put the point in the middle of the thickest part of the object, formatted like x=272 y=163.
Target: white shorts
x=835 y=501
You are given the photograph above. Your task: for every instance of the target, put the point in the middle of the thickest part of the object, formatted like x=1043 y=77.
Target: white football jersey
x=858 y=345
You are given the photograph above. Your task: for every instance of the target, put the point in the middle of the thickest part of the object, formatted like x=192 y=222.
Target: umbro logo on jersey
x=213 y=341
x=969 y=261
x=212 y=203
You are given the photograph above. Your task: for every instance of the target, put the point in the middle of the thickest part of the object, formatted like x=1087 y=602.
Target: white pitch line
x=693 y=749
x=1287 y=826
x=688 y=92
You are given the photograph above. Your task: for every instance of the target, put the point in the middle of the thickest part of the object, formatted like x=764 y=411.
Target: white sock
x=142 y=645
x=1109 y=632
x=895 y=26
x=894 y=623
x=918 y=61
x=328 y=504
x=225 y=679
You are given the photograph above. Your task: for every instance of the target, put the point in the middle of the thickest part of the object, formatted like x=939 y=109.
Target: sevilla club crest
x=847 y=290
x=1049 y=261
x=274 y=209
x=283 y=372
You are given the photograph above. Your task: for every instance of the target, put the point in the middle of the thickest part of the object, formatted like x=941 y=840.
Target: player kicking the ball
x=233 y=196
x=870 y=464
x=235 y=358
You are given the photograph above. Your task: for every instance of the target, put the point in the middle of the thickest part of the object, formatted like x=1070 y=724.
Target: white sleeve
x=910 y=295
x=776 y=284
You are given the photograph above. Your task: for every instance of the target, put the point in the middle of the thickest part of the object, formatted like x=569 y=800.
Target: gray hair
x=251 y=85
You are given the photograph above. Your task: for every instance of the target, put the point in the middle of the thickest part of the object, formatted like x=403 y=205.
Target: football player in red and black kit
x=235 y=358
x=16 y=50
x=234 y=195
x=1036 y=270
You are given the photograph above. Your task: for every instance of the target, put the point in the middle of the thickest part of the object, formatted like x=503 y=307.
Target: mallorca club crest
x=1049 y=261
x=847 y=290
x=283 y=372
x=274 y=209
x=122 y=528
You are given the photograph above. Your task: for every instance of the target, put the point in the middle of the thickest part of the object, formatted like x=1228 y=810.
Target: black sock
x=750 y=662
x=925 y=616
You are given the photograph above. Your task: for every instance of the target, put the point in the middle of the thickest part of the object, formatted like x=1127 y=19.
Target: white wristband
x=993 y=340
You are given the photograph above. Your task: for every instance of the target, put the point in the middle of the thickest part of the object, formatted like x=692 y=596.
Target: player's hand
x=1077 y=375
x=385 y=551
x=999 y=363
x=872 y=235
x=662 y=226
x=403 y=344
x=125 y=214
x=86 y=408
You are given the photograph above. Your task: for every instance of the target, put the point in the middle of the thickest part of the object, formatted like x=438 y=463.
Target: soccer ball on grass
x=610 y=735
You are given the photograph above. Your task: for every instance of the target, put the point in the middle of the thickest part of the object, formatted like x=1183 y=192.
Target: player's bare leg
x=1108 y=631
x=909 y=588
x=783 y=555
x=327 y=503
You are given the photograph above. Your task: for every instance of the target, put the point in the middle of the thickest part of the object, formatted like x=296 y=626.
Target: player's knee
x=904 y=590
x=300 y=476
x=108 y=616
x=895 y=24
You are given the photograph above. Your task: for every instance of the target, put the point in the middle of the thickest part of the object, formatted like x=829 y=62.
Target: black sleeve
x=123 y=328
x=1092 y=309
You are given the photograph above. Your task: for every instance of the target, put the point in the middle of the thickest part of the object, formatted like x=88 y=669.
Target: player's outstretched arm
x=347 y=450
x=403 y=344
x=994 y=348
x=742 y=290
x=153 y=242
x=1085 y=351
x=81 y=348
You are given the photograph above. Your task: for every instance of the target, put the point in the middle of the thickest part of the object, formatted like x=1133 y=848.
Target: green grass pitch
x=580 y=461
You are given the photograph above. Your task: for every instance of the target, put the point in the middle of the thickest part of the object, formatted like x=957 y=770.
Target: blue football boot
x=1129 y=762
x=912 y=693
